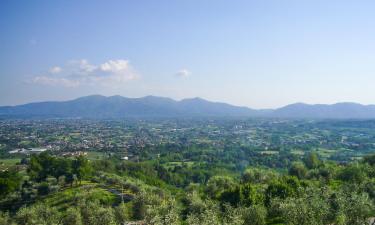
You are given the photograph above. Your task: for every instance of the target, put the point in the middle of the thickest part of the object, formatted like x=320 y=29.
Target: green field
x=326 y=153
x=66 y=198
x=10 y=162
x=297 y=152
x=91 y=155
x=173 y=164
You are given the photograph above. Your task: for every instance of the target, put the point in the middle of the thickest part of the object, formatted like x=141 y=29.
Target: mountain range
x=97 y=106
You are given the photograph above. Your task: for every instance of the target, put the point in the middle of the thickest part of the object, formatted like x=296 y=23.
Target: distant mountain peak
x=195 y=99
x=99 y=106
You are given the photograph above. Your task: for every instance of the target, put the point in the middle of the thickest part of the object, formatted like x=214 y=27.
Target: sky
x=260 y=54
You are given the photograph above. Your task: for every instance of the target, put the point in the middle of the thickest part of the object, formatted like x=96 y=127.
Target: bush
x=72 y=217
x=4 y=219
x=95 y=214
x=255 y=215
x=164 y=213
x=38 y=214
x=43 y=189
x=122 y=213
x=139 y=207
x=310 y=209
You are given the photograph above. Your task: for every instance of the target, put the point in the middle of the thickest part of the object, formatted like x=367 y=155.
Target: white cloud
x=183 y=73
x=55 y=69
x=80 y=72
x=115 y=66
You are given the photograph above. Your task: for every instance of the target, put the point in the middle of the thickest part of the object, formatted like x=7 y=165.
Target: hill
x=322 y=111
x=97 y=106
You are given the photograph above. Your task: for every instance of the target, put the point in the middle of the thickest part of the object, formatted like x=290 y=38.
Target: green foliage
x=38 y=214
x=10 y=181
x=233 y=216
x=5 y=219
x=165 y=212
x=353 y=209
x=251 y=195
x=44 y=165
x=72 y=217
x=312 y=160
x=81 y=167
x=256 y=175
x=231 y=196
x=209 y=216
x=281 y=189
x=354 y=173
x=122 y=213
x=298 y=169
x=319 y=193
x=43 y=189
x=93 y=213
x=310 y=209
x=218 y=184
x=370 y=159
x=139 y=207
x=255 y=215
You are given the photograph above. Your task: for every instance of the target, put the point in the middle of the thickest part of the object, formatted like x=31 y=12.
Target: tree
x=311 y=160
x=166 y=212
x=278 y=189
x=298 y=169
x=62 y=167
x=218 y=184
x=139 y=207
x=35 y=168
x=310 y=209
x=370 y=159
x=250 y=195
x=256 y=175
x=72 y=217
x=94 y=213
x=39 y=214
x=231 y=196
x=353 y=208
x=255 y=215
x=193 y=204
x=43 y=188
x=10 y=181
x=5 y=219
x=233 y=215
x=81 y=167
x=354 y=173
x=122 y=213
x=209 y=216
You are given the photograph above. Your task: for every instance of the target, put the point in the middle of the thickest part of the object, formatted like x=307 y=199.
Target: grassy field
x=173 y=164
x=91 y=155
x=9 y=162
x=326 y=153
x=297 y=152
x=66 y=198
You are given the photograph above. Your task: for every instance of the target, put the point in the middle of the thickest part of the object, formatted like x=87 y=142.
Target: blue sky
x=259 y=54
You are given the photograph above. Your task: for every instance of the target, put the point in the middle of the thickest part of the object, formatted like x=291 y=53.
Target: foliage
x=314 y=192
x=10 y=181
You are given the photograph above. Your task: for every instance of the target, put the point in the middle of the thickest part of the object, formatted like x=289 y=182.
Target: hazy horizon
x=69 y=99
x=247 y=53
